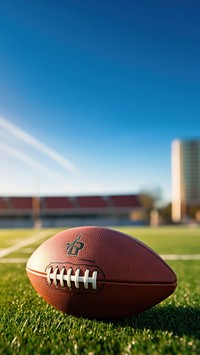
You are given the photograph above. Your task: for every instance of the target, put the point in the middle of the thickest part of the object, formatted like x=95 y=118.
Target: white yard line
x=181 y=256
x=13 y=260
x=28 y=241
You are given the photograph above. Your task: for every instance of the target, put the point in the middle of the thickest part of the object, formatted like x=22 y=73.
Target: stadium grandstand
x=72 y=211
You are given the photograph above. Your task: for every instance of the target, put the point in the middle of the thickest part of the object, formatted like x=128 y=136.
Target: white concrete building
x=185 y=177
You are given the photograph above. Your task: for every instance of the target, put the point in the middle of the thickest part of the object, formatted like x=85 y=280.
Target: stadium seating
x=121 y=201
x=21 y=203
x=58 y=203
x=3 y=204
x=91 y=202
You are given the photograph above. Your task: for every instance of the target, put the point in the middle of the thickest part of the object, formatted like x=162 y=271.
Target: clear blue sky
x=106 y=84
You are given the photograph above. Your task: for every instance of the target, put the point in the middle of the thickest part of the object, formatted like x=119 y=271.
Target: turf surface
x=29 y=326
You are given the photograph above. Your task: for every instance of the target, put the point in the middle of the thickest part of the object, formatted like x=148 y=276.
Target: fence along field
x=29 y=325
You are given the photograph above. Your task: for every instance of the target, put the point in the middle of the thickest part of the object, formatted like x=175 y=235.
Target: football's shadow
x=178 y=320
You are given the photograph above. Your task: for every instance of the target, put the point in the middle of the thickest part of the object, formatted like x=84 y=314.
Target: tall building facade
x=185 y=177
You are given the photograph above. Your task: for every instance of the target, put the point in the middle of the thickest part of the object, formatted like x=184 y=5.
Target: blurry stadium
x=26 y=212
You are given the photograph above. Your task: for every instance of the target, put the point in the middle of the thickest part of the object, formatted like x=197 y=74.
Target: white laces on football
x=65 y=277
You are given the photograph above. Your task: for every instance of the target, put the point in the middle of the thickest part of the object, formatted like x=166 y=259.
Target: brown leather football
x=98 y=272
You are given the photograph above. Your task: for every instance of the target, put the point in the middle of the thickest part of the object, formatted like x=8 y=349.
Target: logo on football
x=74 y=247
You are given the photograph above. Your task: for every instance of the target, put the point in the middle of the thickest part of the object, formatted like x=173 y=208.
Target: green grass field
x=28 y=325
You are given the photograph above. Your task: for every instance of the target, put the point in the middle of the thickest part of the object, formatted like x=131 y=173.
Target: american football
x=97 y=272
